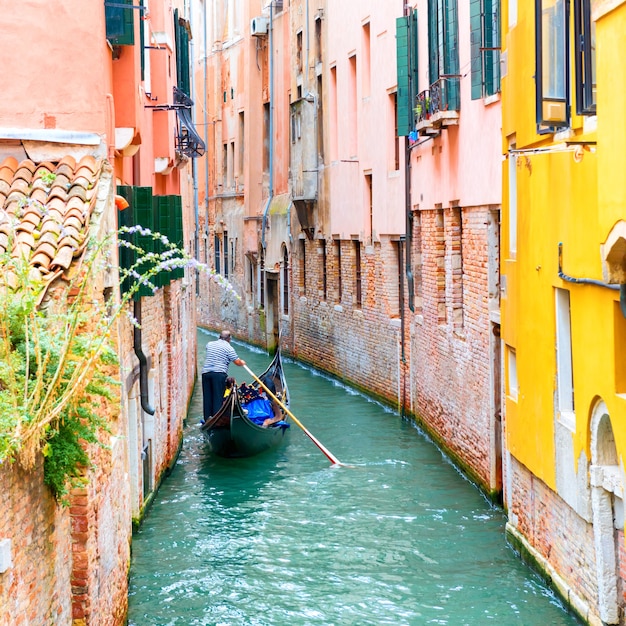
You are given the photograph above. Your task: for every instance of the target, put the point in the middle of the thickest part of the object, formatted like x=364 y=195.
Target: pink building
x=96 y=103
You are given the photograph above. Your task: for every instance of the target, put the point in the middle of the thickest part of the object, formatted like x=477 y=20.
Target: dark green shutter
x=433 y=42
x=404 y=108
x=492 y=44
x=144 y=218
x=451 y=54
x=120 y=23
x=176 y=230
x=476 y=43
x=126 y=217
x=182 y=54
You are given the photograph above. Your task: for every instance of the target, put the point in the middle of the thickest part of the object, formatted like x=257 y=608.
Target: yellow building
x=563 y=260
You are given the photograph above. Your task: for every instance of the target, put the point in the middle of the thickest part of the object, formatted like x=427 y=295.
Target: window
x=225 y=254
x=552 y=65
x=417 y=260
x=241 y=159
x=322 y=251
x=303 y=266
x=299 y=51
x=225 y=167
x=395 y=137
x=266 y=137
x=443 y=55
x=455 y=230
x=485 y=47
x=182 y=33
x=513 y=387
x=216 y=245
x=564 y=372
x=406 y=70
x=334 y=121
x=352 y=108
x=120 y=23
x=369 y=205
x=318 y=39
x=366 y=61
x=337 y=245
x=285 y=281
x=358 y=300
x=585 y=37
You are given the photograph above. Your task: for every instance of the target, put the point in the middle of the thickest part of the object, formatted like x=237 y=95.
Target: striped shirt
x=219 y=355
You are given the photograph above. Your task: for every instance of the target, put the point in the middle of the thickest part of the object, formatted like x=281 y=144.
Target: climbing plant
x=58 y=360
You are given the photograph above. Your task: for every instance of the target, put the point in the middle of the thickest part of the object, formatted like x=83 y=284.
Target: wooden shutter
x=404 y=108
x=476 y=43
x=120 y=23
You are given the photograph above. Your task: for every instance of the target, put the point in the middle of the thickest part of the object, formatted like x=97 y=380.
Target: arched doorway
x=607 y=511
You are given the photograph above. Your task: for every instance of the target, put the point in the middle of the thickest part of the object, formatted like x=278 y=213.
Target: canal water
x=285 y=539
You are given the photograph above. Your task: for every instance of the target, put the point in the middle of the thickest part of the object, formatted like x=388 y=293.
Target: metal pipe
x=270 y=127
x=592 y=281
x=143 y=361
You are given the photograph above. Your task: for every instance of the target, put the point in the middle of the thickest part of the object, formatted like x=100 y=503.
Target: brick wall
x=561 y=537
x=450 y=349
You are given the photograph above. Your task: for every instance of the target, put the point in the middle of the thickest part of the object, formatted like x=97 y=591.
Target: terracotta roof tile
x=47 y=211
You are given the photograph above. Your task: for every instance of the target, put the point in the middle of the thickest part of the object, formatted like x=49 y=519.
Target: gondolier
x=219 y=355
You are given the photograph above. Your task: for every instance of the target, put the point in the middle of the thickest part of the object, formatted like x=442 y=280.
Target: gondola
x=230 y=433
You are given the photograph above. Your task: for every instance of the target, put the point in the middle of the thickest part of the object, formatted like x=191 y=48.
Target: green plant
x=58 y=363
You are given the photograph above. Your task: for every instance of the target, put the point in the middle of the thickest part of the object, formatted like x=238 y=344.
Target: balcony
x=438 y=107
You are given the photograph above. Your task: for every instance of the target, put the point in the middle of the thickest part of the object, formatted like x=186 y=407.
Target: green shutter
x=404 y=108
x=476 y=44
x=182 y=54
x=126 y=217
x=451 y=55
x=492 y=40
x=144 y=218
x=433 y=43
x=120 y=23
x=177 y=230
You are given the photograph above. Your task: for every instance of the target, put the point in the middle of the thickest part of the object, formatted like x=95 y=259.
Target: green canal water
x=285 y=539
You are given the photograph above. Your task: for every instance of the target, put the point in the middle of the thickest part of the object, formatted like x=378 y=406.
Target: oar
x=329 y=455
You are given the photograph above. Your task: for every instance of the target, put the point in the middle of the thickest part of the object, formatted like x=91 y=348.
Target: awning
x=188 y=140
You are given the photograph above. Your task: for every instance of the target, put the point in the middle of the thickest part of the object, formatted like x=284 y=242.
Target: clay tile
x=39 y=259
x=88 y=161
x=65 y=170
x=28 y=164
x=46 y=167
x=51 y=228
x=86 y=173
x=74 y=222
x=23 y=173
x=39 y=195
x=11 y=163
x=3 y=197
x=25 y=238
x=57 y=204
x=75 y=202
x=18 y=197
x=63 y=257
x=25 y=227
x=6 y=174
x=75 y=212
x=4 y=186
x=49 y=236
x=56 y=216
x=62 y=181
x=79 y=192
x=57 y=192
x=32 y=217
x=12 y=207
x=47 y=248
x=83 y=181
x=21 y=185
x=68 y=160
x=34 y=274
x=69 y=238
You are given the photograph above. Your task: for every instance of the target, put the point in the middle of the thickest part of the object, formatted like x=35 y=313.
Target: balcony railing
x=439 y=105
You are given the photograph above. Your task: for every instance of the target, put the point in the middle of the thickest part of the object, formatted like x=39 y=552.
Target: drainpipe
x=271 y=128
x=143 y=362
x=206 y=136
x=592 y=281
x=194 y=167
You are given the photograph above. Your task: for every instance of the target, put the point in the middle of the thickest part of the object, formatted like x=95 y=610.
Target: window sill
x=567 y=419
x=492 y=99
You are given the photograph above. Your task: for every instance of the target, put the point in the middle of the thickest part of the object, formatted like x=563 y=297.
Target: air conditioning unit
x=258 y=26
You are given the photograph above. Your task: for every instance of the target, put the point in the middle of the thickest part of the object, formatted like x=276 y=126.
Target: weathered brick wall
x=36 y=589
x=359 y=344
x=450 y=348
x=553 y=528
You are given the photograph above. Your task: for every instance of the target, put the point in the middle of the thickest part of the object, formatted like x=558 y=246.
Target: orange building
x=97 y=104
